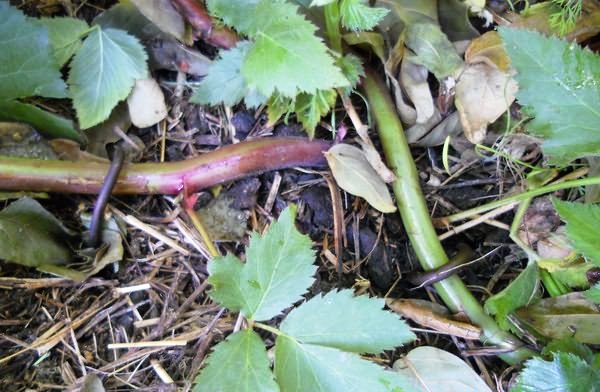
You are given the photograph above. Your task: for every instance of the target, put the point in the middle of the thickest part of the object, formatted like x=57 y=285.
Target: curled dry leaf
x=488 y=49
x=354 y=174
x=413 y=78
x=483 y=93
x=432 y=315
x=146 y=103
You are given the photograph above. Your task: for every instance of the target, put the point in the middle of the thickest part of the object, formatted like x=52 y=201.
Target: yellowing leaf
x=489 y=49
x=570 y=315
x=483 y=93
x=354 y=174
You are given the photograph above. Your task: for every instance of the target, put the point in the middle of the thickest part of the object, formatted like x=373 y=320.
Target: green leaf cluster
x=104 y=65
x=283 y=63
x=317 y=344
x=559 y=84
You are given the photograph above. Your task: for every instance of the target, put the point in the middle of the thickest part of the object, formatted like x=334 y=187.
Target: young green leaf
x=593 y=294
x=225 y=277
x=520 y=292
x=224 y=83
x=287 y=56
x=354 y=174
x=350 y=323
x=566 y=372
x=352 y=69
x=278 y=270
x=240 y=363
x=559 y=81
x=27 y=67
x=356 y=15
x=312 y=368
x=65 y=36
x=438 y=370
x=433 y=49
x=583 y=223
x=569 y=345
x=103 y=73
x=310 y=108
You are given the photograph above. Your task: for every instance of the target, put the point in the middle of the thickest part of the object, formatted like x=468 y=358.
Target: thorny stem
x=226 y=164
x=417 y=222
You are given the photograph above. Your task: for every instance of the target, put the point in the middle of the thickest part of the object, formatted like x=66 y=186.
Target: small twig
x=480 y=219
x=109 y=183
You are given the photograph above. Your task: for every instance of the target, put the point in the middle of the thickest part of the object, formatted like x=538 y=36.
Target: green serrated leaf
x=350 y=323
x=583 y=221
x=280 y=263
x=569 y=345
x=520 y=292
x=103 y=72
x=311 y=368
x=357 y=16
x=237 y=14
x=27 y=67
x=278 y=270
x=433 y=49
x=310 y=108
x=31 y=236
x=287 y=56
x=225 y=274
x=593 y=294
x=65 y=36
x=566 y=373
x=278 y=106
x=240 y=364
x=559 y=81
x=352 y=68
x=224 y=82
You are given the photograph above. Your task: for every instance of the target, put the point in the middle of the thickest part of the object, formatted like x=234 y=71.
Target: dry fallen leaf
x=146 y=103
x=413 y=78
x=483 y=93
x=354 y=174
x=163 y=15
x=488 y=49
